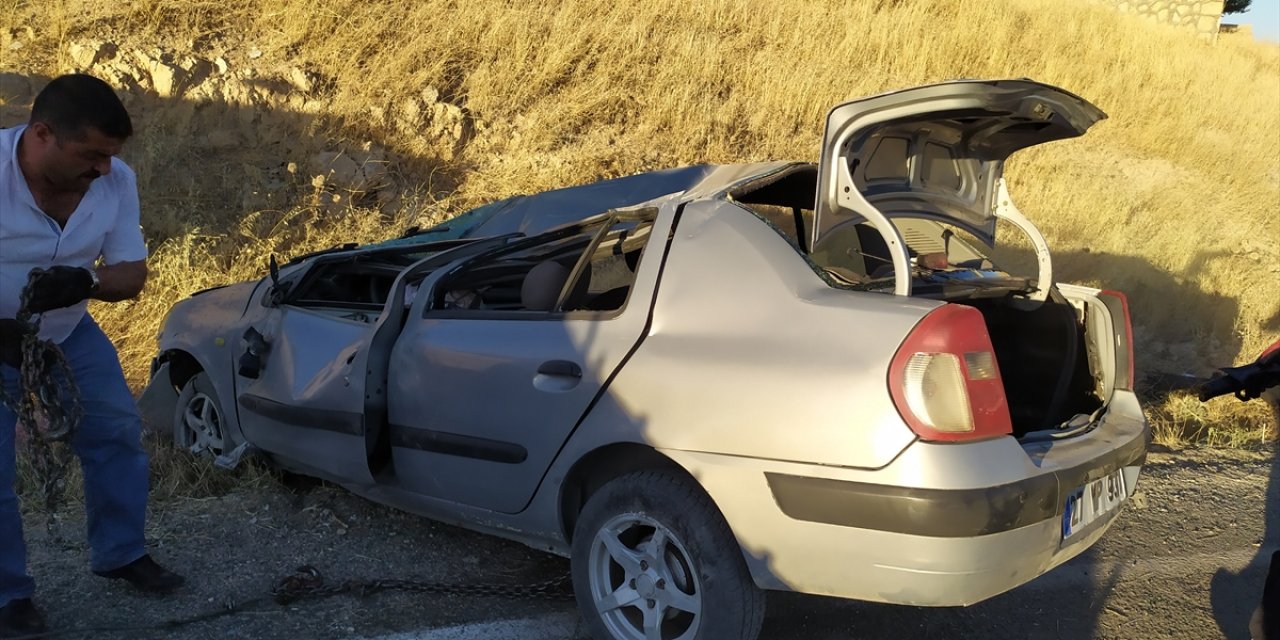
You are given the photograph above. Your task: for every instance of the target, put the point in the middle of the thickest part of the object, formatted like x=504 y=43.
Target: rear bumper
x=946 y=513
x=942 y=525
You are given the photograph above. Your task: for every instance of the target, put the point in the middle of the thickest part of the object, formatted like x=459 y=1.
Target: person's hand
x=58 y=287
x=11 y=334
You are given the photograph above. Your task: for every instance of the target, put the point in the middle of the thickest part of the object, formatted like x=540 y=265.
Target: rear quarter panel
x=749 y=353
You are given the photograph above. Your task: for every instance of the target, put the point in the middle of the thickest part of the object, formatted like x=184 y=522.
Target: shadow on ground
x=1232 y=613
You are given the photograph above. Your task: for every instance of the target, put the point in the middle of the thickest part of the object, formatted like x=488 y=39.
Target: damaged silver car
x=705 y=383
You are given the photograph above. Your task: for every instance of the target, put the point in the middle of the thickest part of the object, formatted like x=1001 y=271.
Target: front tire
x=653 y=559
x=197 y=418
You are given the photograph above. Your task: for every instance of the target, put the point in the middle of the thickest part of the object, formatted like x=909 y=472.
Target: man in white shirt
x=69 y=222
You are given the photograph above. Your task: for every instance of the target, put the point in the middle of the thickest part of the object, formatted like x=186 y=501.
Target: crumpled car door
x=481 y=401
x=305 y=404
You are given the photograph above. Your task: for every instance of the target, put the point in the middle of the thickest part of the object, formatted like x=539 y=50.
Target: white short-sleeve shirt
x=105 y=225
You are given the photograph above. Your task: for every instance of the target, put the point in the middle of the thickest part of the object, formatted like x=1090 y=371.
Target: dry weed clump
x=1173 y=199
x=175 y=475
x=1224 y=422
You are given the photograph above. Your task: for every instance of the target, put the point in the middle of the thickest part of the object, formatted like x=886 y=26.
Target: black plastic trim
x=454 y=444
x=347 y=422
x=942 y=513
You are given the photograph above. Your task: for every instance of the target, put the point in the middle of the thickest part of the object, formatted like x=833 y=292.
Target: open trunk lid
x=935 y=152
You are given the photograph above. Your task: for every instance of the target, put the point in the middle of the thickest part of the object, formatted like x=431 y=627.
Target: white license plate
x=1092 y=501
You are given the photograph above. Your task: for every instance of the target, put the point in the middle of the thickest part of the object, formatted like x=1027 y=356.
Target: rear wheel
x=197 y=419
x=653 y=559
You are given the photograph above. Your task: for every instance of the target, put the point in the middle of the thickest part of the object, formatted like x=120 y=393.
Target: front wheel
x=653 y=559
x=197 y=419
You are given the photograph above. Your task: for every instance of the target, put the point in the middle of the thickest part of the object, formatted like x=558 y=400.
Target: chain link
x=307 y=582
x=47 y=406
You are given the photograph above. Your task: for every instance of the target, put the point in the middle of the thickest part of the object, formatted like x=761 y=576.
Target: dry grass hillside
x=297 y=124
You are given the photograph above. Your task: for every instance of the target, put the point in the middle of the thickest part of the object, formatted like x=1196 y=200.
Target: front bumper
x=942 y=525
x=159 y=401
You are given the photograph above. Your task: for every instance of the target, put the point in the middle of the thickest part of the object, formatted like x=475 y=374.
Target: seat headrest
x=542 y=285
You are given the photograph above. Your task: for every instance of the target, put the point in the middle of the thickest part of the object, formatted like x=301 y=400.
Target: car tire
x=650 y=550
x=198 y=424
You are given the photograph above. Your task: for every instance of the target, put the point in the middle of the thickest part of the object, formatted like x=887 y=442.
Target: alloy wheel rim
x=642 y=581
x=202 y=425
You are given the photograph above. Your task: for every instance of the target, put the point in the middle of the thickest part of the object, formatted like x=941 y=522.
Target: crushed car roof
x=532 y=214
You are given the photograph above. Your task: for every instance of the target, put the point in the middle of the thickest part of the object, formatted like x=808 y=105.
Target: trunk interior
x=1043 y=353
x=1043 y=361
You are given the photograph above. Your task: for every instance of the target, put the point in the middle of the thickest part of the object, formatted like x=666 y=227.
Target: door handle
x=561 y=368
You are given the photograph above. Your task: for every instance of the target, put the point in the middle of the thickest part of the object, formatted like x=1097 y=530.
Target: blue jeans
x=108 y=443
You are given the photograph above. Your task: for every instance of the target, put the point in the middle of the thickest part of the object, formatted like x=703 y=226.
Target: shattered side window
x=782 y=220
x=589 y=266
x=362 y=282
x=784 y=203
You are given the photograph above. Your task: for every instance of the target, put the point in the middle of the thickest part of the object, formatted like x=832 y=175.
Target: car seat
x=544 y=282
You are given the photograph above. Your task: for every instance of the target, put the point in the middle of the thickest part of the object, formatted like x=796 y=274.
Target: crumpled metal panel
x=533 y=214
x=208 y=326
x=308 y=402
x=493 y=382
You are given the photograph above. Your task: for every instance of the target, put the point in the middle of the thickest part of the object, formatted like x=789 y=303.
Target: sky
x=1264 y=15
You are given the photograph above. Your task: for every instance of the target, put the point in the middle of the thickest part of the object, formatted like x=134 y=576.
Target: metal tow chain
x=48 y=408
x=308 y=582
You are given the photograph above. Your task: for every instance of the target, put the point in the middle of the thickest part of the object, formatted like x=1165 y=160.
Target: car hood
x=937 y=151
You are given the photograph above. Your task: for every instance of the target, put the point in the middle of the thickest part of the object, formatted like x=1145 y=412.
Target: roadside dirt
x=1181 y=562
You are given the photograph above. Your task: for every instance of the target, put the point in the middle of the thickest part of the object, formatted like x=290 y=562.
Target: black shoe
x=146 y=575
x=20 y=618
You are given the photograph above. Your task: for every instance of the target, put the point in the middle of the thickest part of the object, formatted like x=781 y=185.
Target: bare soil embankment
x=298 y=124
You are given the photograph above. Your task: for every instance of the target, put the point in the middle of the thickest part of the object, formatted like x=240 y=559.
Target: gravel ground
x=233 y=548
x=1181 y=562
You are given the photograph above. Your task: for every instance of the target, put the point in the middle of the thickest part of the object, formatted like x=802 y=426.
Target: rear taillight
x=1118 y=305
x=945 y=380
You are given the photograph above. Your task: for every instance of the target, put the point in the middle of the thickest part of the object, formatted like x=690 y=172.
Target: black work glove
x=57 y=287
x=11 y=334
